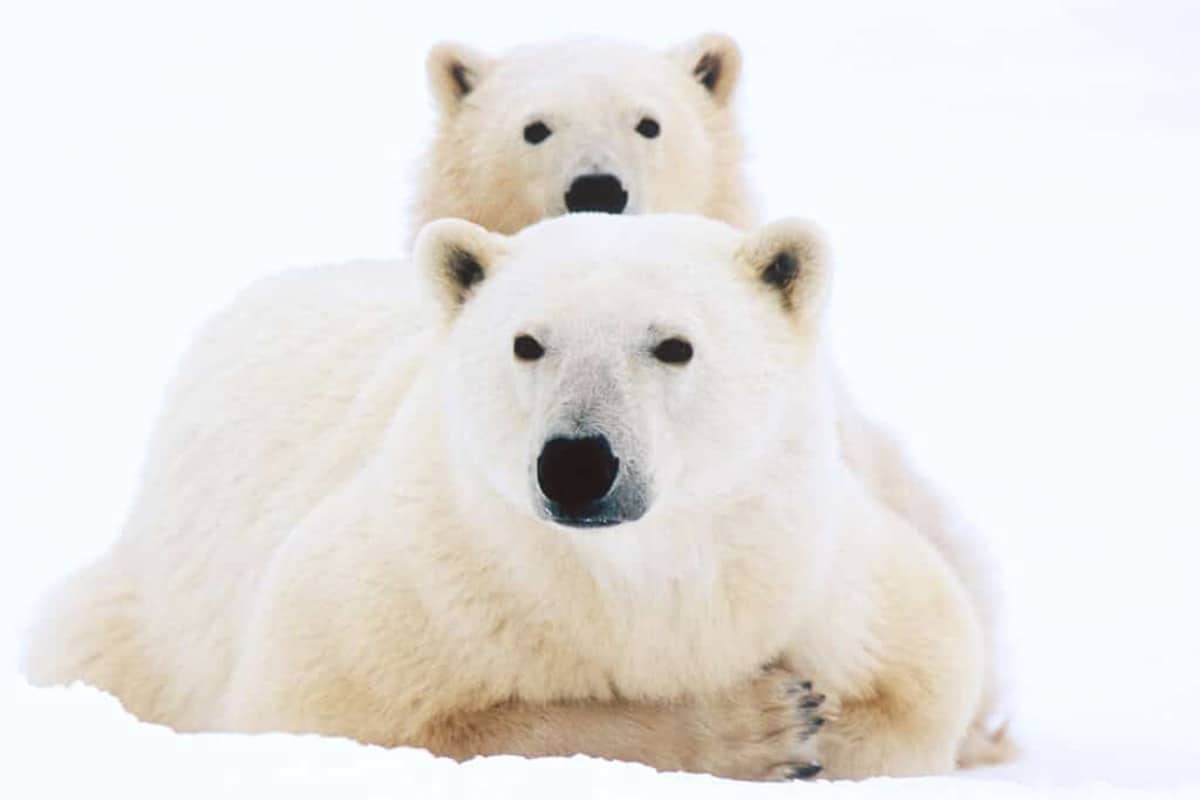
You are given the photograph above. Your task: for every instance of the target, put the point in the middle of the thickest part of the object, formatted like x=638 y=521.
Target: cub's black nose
x=597 y=193
x=574 y=473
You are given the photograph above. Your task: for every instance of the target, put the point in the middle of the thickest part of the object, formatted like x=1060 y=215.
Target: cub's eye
x=537 y=132
x=527 y=348
x=648 y=127
x=673 y=351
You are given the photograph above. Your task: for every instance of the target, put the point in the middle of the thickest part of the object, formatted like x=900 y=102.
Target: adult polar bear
x=604 y=126
x=386 y=548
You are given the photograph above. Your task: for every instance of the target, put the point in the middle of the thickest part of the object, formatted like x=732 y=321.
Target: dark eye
x=648 y=127
x=527 y=348
x=673 y=351
x=537 y=132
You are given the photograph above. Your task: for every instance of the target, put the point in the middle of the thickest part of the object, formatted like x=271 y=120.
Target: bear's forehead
x=593 y=314
x=582 y=268
x=610 y=66
x=583 y=56
x=679 y=236
x=663 y=253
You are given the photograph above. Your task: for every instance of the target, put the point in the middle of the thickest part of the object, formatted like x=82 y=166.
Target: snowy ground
x=1012 y=196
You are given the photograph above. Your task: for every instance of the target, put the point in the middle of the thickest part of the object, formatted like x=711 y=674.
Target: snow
x=73 y=721
x=1011 y=191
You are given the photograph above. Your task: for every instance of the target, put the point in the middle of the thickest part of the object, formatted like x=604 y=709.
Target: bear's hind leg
x=87 y=631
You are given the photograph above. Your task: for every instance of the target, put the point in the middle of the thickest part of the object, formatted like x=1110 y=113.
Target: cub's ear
x=789 y=259
x=455 y=256
x=714 y=61
x=454 y=71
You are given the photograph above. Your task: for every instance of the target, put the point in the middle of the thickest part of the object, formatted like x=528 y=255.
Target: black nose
x=597 y=193
x=576 y=472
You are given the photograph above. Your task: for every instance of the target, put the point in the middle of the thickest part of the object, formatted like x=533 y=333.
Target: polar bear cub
x=590 y=501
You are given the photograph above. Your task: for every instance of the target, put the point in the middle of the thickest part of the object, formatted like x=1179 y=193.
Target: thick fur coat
x=359 y=542
x=592 y=96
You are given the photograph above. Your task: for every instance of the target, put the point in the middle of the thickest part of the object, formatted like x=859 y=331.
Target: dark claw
x=803 y=771
x=806 y=686
x=812 y=702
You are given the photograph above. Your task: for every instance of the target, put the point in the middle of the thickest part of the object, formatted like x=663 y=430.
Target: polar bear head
x=584 y=125
x=597 y=370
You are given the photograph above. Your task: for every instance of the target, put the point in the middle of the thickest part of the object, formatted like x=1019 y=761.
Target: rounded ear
x=714 y=61
x=454 y=70
x=455 y=256
x=789 y=258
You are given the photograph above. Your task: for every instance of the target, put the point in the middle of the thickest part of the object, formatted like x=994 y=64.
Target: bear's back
x=280 y=399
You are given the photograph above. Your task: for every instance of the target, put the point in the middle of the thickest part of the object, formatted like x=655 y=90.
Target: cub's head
x=596 y=370
x=584 y=125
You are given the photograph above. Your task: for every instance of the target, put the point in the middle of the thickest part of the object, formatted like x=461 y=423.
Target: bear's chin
x=588 y=522
x=594 y=515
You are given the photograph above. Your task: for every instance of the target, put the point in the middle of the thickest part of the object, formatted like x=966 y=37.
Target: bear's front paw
x=763 y=729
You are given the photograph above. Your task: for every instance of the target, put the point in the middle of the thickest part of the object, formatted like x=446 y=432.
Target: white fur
x=337 y=530
x=592 y=93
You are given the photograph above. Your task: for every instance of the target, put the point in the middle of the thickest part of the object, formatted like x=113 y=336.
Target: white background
x=1011 y=190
